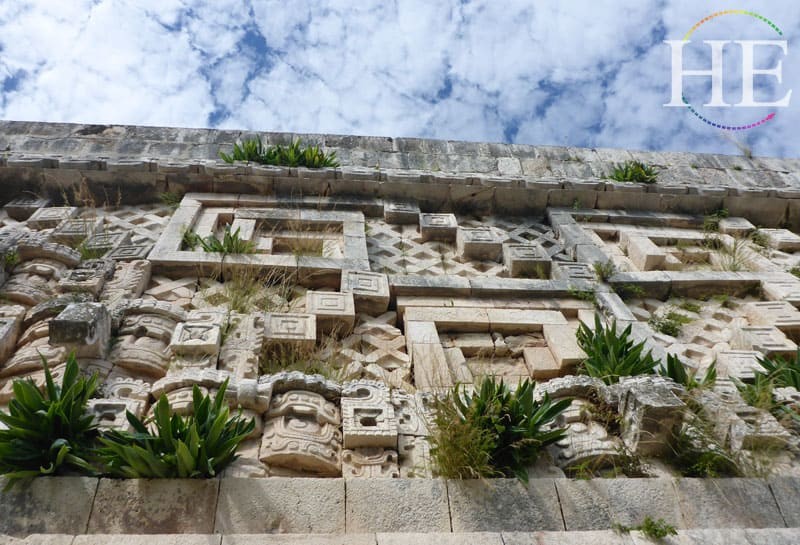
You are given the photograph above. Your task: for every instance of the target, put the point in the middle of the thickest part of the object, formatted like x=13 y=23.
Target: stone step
x=722 y=536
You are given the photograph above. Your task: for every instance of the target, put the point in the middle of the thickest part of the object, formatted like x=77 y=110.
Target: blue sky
x=590 y=73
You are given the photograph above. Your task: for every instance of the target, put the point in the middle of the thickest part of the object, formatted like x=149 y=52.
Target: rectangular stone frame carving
x=168 y=258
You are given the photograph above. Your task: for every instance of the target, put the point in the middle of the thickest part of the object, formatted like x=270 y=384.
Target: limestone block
x=787 y=493
x=285 y=506
x=470 y=344
x=9 y=331
x=413 y=412
x=130 y=251
x=415 y=457
x=587 y=443
x=651 y=414
x=788 y=291
x=408 y=505
x=645 y=255
x=541 y=363
x=768 y=340
x=401 y=213
x=50 y=217
x=782 y=239
x=595 y=537
x=72 y=232
x=780 y=314
x=438 y=227
x=84 y=328
x=368 y=418
x=573 y=271
x=301 y=432
x=119 y=387
x=50 y=505
x=563 y=345
x=239 y=354
x=162 y=506
x=370 y=462
x=479 y=243
x=738 y=364
x=297 y=329
x=431 y=370
x=492 y=506
x=584 y=504
x=526 y=260
x=370 y=291
x=26 y=289
x=196 y=339
x=21 y=208
x=335 y=311
x=110 y=414
x=129 y=281
x=728 y=503
x=737 y=227
x=245 y=227
x=143 y=355
x=438 y=538
x=89 y=277
x=104 y=241
x=458 y=366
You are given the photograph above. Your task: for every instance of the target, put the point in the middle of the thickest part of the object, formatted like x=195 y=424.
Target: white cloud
x=585 y=72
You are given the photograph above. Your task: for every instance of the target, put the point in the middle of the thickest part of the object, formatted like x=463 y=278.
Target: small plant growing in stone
x=504 y=431
x=651 y=528
x=690 y=306
x=605 y=270
x=293 y=155
x=629 y=291
x=10 y=260
x=634 y=171
x=582 y=295
x=675 y=370
x=200 y=445
x=230 y=243
x=711 y=221
x=611 y=354
x=669 y=323
x=49 y=431
x=171 y=199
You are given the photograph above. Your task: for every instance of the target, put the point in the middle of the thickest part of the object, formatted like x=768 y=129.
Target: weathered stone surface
x=128 y=539
x=335 y=311
x=84 y=328
x=786 y=491
x=50 y=217
x=479 y=243
x=370 y=291
x=49 y=505
x=296 y=329
x=301 y=432
x=157 y=506
x=438 y=227
x=434 y=538
x=728 y=503
x=526 y=260
x=584 y=505
x=504 y=505
x=407 y=505
x=277 y=505
x=370 y=462
x=300 y=539
x=21 y=208
x=368 y=418
x=401 y=213
x=595 y=537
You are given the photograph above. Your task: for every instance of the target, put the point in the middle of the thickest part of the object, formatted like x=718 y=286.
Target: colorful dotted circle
x=772 y=25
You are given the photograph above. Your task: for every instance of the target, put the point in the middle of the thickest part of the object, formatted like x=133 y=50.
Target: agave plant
x=677 y=372
x=634 y=171
x=231 y=243
x=520 y=426
x=48 y=431
x=611 y=354
x=200 y=445
x=781 y=371
x=291 y=155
